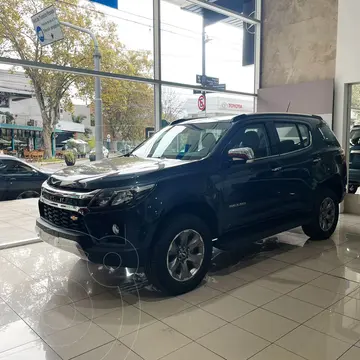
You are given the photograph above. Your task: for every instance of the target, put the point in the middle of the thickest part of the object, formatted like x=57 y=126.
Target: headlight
x=116 y=196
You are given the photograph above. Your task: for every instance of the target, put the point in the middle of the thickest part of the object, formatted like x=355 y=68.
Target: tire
x=28 y=195
x=352 y=189
x=158 y=267
x=325 y=198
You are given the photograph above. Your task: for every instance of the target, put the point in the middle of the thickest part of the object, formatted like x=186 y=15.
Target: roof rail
x=178 y=121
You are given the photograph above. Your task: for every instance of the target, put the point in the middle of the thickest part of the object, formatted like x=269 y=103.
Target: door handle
x=276 y=169
x=12 y=179
x=316 y=160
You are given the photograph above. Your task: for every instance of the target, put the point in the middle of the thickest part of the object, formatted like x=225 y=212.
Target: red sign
x=202 y=103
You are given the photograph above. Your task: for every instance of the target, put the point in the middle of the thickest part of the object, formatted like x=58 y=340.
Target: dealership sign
x=231 y=106
x=110 y=3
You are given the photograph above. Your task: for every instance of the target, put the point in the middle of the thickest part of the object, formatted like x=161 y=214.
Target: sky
x=181 y=43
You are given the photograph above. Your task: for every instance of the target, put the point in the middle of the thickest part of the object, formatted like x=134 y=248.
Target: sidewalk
x=17 y=220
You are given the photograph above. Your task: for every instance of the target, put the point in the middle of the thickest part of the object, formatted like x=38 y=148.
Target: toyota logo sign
x=226 y=105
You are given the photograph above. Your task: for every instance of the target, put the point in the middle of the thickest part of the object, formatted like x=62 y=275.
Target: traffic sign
x=47 y=26
x=207 y=80
x=219 y=87
x=202 y=103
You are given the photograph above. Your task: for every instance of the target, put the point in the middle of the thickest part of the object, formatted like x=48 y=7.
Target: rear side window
x=328 y=136
x=292 y=136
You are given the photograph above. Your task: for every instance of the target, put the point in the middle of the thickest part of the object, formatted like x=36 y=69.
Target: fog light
x=115 y=229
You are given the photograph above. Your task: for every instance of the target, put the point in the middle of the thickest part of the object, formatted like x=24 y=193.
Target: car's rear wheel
x=325 y=216
x=181 y=256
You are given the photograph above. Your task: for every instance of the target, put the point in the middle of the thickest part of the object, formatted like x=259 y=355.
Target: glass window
x=190 y=141
x=16 y=167
x=254 y=137
x=305 y=134
x=330 y=138
x=289 y=136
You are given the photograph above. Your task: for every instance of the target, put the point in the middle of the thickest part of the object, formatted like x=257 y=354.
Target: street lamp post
x=98 y=102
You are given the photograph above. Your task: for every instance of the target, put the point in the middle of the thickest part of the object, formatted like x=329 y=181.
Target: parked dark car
x=354 y=160
x=19 y=180
x=225 y=182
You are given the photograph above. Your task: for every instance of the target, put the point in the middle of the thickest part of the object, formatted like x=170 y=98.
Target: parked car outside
x=92 y=154
x=20 y=180
x=354 y=160
x=225 y=182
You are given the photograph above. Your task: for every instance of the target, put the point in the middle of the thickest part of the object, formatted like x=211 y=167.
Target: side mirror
x=241 y=154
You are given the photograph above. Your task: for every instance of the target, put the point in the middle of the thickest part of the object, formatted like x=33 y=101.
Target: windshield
x=190 y=141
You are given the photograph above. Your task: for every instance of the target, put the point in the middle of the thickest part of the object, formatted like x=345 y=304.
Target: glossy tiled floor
x=277 y=303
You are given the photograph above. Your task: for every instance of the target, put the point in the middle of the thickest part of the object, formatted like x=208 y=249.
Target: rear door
x=293 y=168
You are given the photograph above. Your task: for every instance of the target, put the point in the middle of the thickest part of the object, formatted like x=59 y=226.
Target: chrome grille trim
x=69 y=194
x=60 y=206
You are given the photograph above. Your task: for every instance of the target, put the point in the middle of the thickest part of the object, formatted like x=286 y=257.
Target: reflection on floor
x=280 y=302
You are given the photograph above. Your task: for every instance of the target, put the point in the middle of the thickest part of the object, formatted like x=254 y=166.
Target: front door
x=248 y=191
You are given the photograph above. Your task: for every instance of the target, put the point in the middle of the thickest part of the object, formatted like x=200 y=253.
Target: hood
x=108 y=172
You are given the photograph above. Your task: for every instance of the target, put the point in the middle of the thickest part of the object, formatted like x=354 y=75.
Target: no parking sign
x=202 y=103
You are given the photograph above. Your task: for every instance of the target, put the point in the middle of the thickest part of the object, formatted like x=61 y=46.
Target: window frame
x=296 y=123
x=243 y=126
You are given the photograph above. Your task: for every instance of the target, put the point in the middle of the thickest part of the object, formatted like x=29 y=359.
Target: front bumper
x=88 y=248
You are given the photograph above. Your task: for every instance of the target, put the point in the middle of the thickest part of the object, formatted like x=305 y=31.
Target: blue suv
x=225 y=182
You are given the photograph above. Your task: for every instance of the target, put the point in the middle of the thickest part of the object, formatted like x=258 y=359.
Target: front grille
x=63 y=218
x=58 y=198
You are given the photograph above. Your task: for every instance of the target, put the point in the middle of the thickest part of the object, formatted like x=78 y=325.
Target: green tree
x=172 y=105
x=18 y=39
x=9 y=117
x=78 y=119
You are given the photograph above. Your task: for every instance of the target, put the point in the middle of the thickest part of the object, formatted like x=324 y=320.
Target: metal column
x=203 y=57
x=157 y=64
x=257 y=65
x=99 y=137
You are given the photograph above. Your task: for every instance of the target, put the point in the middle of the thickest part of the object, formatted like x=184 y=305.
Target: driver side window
x=15 y=167
x=253 y=137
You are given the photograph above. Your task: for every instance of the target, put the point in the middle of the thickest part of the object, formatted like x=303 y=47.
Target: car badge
x=74 y=217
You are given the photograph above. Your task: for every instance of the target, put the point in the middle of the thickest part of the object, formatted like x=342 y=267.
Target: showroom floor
x=281 y=303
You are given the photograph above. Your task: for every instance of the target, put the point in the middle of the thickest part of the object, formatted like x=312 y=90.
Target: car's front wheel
x=325 y=216
x=181 y=255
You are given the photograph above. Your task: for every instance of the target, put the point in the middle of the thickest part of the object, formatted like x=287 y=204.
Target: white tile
x=293 y=309
x=233 y=343
x=249 y=273
x=224 y=282
x=265 y=324
x=51 y=321
x=335 y=284
x=7 y=315
x=191 y=351
x=346 y=273
x=313 y=345
x=158 y=307
x=352 y=354
x=34 y=350
x=256 y=295
x=111 y=351
x=194 y=322
x=296 y=255
x=77 y=340
x=199 y=295
x=325 y=262
x=274 y=352
x=336 y=325
x=355 y=294
x=227 y=307
x=354 y=264
x=155 y=341
x=98 y=305
x=124 y=321
x=270 y=265
x=349 y=307
x=315 y=295
x=15 y=334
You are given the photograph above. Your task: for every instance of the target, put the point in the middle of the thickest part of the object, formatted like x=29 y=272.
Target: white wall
x=347 y=61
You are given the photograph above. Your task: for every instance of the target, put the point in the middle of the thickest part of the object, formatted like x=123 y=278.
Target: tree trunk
x=46 y=135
